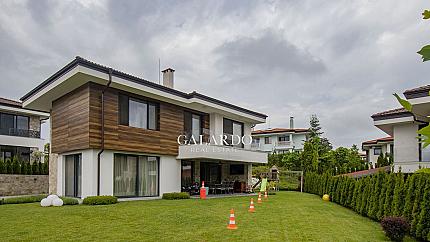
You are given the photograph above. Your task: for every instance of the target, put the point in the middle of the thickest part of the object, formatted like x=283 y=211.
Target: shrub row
x=23 y=199
x=100 y=200
x=176 y=195
x=18 y=167
x=69 y=201
x=378 y=196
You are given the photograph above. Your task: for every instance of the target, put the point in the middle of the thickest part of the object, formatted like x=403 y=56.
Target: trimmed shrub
x=399 y=195
x=176 y=195
x=69 y=201
x=24 y=199
x=395 y=228
x=100 y=200
x=2 y=167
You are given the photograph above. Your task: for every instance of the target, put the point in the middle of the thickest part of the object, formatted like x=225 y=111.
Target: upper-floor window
x=138 y=113
x=267 y=140
x=192 y=126
x=234 y=131
x=377 y=150
x=17 y=125
x=284 y=138
x=256 y=140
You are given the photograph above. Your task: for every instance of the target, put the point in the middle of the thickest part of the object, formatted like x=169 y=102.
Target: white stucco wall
x=405 y=143
x=298 y=139
x=170 y=173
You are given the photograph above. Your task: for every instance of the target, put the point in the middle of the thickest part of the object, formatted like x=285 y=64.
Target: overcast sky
x=340 y=60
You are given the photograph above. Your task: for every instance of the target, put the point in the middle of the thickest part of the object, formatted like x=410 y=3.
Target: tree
x=315 y=129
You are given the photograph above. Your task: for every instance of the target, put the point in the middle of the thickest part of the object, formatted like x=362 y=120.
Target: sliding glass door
x=135 y=176
x=73 y=175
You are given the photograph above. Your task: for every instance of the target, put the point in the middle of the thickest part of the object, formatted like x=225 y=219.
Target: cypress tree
x=399 y=195
x=2 y=167
x=423 y=226
x=417 y=203
x=358 y=196
x=15 y=166
x=374 y=198
x=410 y=197
x=8 y=165
x=35 y=168
x=381 y=199
x=365 y=196
x=389 y=195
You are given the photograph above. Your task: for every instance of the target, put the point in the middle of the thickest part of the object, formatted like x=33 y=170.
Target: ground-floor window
x=8 y=152
x=73 y=175
x=136 y=176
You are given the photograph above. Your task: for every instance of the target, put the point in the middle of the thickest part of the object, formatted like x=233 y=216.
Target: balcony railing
x=20 y=133
x=255 y=146
x=283 y=143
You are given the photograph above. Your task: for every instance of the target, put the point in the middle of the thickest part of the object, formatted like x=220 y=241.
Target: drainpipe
x=102 y=131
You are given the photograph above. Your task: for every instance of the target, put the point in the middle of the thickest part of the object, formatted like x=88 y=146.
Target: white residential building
x=409 y=154
x=19 y=130
x=376 y=147
x=279 y=140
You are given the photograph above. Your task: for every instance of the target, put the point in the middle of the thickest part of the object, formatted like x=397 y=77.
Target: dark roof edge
x=391 y=116
x=417 y=92
x=92 y=65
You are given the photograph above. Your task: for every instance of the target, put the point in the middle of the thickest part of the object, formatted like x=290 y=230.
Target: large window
x=267 y=140
x=234 y=132
x=192 y=125
x=135 y=176
x=377 y=150
x=11 y=124
x=283 y=138
x=73 y=175
x=138 y=113
x=8 y=152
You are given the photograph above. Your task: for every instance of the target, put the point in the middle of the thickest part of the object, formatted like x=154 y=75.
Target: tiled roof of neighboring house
x=12 y=103
x=95 y=66
x=393 y=113
x=279 y=130
x=369 y=172
x=375 y=141
x=417 y=92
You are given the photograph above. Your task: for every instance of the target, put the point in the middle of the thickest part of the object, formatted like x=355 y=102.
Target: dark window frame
x=377 y=148
x=282 y=138
x=124 y=108
x=191 y=113
x=232 y=130
x=267 y=140
x=15 y=120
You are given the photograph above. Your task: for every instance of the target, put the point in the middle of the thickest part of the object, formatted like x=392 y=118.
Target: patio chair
x=223 y=188
x=230 y=187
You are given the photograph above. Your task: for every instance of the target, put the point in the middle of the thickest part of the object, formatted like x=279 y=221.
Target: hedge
x=23 y=199
x=17 y=167
x=379 y=196
x=69 y=201
x=100 y=200
x=176 y=195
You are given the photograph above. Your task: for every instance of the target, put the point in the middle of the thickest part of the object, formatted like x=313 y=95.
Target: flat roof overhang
x=221 y=153
x=387 y=125
x=41 y=98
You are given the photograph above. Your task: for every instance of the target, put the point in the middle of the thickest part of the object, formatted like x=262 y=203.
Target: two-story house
x=374 y=148
x=19 y=130
x=280 y=140
x=409 y=154
x=116 y=134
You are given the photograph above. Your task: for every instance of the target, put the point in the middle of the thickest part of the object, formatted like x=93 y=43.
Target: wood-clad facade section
x=76 y=120
x=70 y=121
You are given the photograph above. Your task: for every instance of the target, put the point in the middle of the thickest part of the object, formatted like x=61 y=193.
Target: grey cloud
x=270 y=52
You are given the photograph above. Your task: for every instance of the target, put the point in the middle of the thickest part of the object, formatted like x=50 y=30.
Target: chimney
x=291 y=122
x=168 y=77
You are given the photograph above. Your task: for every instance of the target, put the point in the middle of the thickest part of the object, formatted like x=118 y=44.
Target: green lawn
x=287 y=216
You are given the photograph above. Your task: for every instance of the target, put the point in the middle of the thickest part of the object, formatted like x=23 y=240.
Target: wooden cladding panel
x=125 y=138
x=69 y=117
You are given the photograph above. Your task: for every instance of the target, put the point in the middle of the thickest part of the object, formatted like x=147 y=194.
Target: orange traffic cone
x=232 y=221
x=251 y=206
x=266 y=198
x=259 y=198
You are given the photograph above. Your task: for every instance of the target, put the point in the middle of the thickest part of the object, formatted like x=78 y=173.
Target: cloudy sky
x=340 y=60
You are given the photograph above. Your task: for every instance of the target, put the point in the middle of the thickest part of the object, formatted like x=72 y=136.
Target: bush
x=100 y=200
x=423 y=170
x=24 y=199
x=395 y=228
x=69 y=201
x=176 y=195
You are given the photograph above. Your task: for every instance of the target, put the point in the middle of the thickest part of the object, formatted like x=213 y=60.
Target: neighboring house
x=279 y=140
x=376 y=147
x=116 y=134
x=19 y=130
x=409 y=154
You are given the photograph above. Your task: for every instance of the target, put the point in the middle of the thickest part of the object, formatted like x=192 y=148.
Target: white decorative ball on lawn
x=57 y=202
x=52 y=197
x=45 y=202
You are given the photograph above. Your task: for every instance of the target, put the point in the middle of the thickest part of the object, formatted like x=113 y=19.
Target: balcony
x=284 y=143
x=222 y=153
x=20 y=133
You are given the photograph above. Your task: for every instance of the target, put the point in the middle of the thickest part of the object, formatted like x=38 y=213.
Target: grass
x=288 y=216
